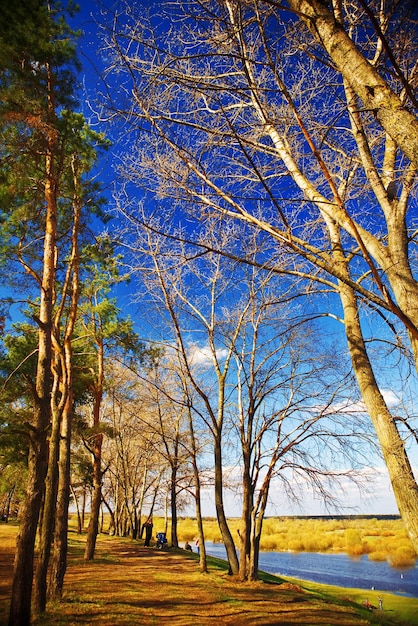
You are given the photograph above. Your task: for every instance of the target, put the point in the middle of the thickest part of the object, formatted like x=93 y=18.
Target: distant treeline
x=334 y=517
x=314 y=517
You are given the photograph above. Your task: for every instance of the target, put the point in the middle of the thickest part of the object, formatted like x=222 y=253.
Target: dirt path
x=130 y=584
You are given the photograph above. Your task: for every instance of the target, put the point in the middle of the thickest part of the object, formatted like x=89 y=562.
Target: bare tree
x=252 y=374
x=132 y=454
x=239 y=111
x=169 y=415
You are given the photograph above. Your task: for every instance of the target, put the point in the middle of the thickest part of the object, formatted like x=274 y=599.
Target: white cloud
x=203 y=356
x=375 y=498
x=390 y=397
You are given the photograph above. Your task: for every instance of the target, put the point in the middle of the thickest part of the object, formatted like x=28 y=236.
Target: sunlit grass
x=381 y=539
x=126 y=584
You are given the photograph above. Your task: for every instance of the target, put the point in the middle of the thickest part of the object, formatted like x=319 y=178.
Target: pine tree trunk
x=48 y=514
x=20 y=606
x=59 y=556
x=93 y=527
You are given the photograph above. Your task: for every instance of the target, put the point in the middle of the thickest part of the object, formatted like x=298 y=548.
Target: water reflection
x=335 y=569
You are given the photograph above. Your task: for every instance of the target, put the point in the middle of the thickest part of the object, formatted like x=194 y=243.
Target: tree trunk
x=20 y=608
x=220 y=511
x=173 y=491
x=77 y=506
x=245 y=531
x=196 y=478
x=255 y=552
x=391 y=444
x=59 y=557
x=96 y=500
x=37 y=460
x=202 y=547
x=48 y=514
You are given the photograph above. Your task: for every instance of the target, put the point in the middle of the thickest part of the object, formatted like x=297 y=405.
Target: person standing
x=148 y=531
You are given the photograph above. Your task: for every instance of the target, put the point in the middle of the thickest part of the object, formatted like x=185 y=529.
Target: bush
x=272 y=543
x=296 y=546
x=403 y=557
x=355 y=549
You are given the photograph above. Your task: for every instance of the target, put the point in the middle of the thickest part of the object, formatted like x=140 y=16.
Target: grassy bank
x=129 y=584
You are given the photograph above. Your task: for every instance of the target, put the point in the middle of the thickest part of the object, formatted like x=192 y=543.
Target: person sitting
x=187 y=546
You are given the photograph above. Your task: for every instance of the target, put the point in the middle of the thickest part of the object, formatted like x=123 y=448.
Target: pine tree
x=40 y=136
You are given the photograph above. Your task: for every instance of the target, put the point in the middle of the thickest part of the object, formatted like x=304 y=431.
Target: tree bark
x=60 y=549
x=20 y=607
x=392 y=446
x=173 y=491
x=59 y=558
x=96 y=500
x=247 y=506
x=48 y=514
x=399 y=468
x=196 y=478
x=220 y=509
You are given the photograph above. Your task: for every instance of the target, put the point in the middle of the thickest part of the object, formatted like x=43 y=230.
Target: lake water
x=335 y=569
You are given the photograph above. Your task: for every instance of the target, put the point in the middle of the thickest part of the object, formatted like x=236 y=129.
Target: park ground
x=130 y=584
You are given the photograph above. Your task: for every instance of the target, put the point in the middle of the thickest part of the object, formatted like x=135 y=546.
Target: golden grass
x=129 y=584
x=352 y=536
x=383 y=539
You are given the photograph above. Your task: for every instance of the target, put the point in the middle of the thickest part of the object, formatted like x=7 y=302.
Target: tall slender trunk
x=173 y=491
x=196 y=478
x=392 y=446
x=96 y=500
x=220 y=509
x=20 y=607
x=245 y=531
x=60 y=549
x=201 y=534
x=48 y=514
x=61 y=402
x=59 y=558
